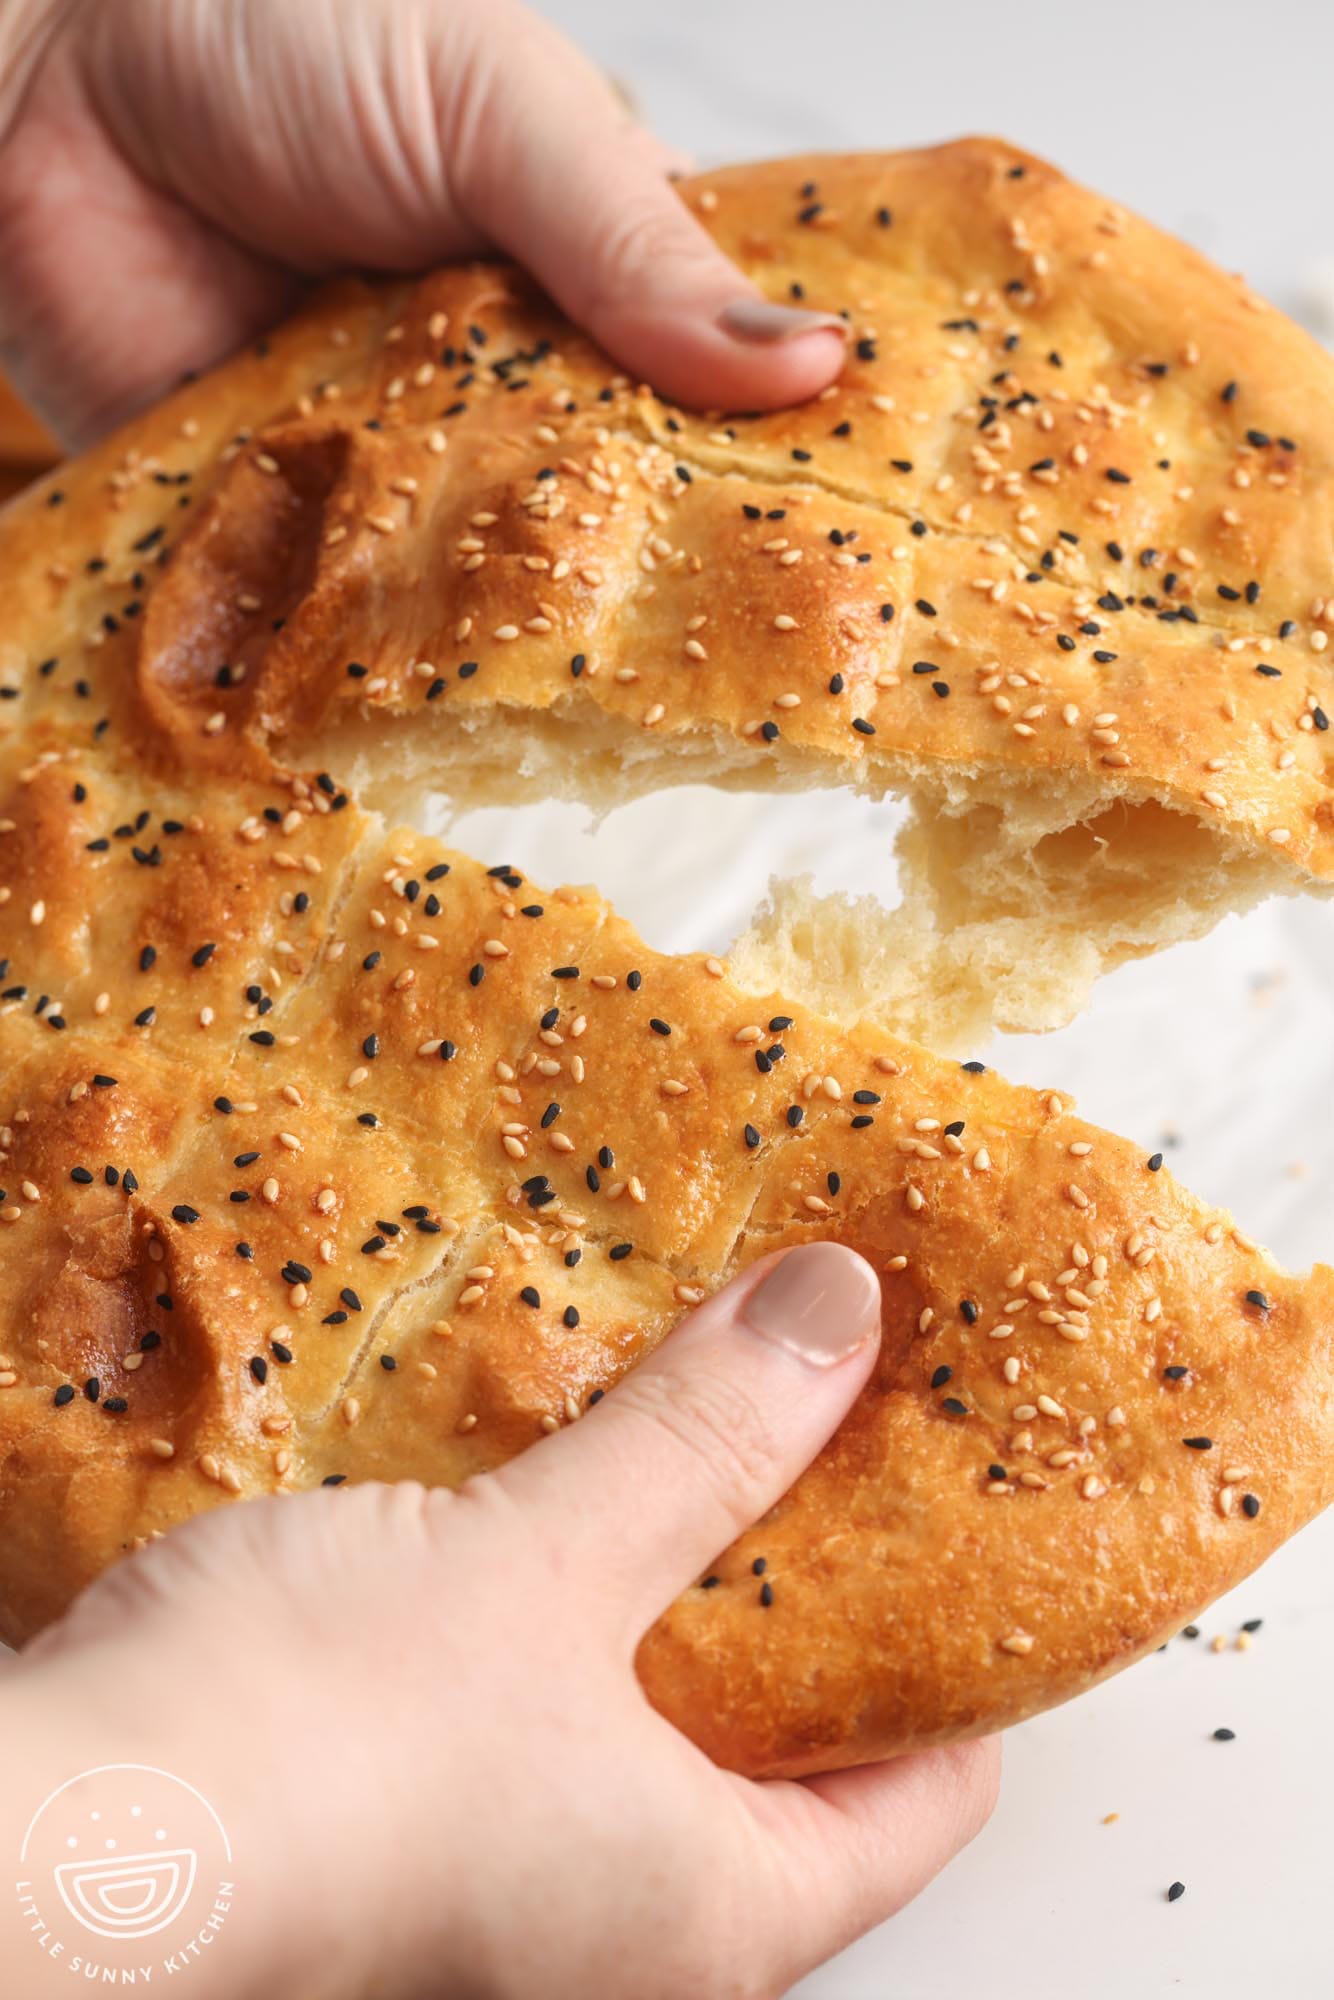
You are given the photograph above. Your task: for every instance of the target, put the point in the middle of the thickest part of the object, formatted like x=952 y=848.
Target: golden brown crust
x=23 y=441
x=328 y=1154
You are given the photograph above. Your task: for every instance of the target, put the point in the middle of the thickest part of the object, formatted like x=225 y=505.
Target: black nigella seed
x=795 y=1114
x=389 y=1363
x=92 y=1388
x=1258 y=1299
x=571 y=1316
x=634 y=980
x=1199 y=1443
x=749 y=1134
x=1176 y=1892
x=64 y=1394
x=184 y=1213
x=954 y=1406
x=81 y=1175
x=1155 y=1161
x=941 y=1376
x=969 y=1311
x=766 y=1594
x=1250 y=1506
x=259 y=1368
x=619 y=1250
x=659 y=1027
x=280 y=1352
x=1176 y=1373
x=1225 y=1736
x=531 y=1296
x=1252 y=1624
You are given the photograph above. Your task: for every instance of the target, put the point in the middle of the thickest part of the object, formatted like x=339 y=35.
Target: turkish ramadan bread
x=329 y=1154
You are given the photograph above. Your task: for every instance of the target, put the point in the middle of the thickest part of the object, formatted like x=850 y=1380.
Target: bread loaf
x=328 y=1154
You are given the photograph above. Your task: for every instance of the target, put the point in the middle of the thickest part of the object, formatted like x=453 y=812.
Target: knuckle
x=712 y=1421
x=656 y=240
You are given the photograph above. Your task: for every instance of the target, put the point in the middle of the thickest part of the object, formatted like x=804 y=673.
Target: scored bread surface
x=328 y=1154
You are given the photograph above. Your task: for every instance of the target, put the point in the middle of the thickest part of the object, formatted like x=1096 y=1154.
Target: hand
x=172 y=171
x=417 y=1713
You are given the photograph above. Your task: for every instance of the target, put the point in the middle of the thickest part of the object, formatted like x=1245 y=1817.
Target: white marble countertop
x=1214 y=121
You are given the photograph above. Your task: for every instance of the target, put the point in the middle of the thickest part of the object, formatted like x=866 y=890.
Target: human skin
x=173 y=171
x=417 y=1712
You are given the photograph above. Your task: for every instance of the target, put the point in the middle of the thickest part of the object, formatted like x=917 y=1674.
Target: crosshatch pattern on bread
x=328 y=1154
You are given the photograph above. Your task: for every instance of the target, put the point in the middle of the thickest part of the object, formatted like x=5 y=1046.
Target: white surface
x=1214 y=120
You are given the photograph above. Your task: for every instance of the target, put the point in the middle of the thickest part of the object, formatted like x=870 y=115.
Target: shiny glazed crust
x=328 y=1154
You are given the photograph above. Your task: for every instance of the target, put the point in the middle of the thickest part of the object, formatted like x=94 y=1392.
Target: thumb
x=709 y=1432
x=575 y=191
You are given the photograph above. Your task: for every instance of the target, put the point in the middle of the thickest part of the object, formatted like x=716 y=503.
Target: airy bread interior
x=1015 y=896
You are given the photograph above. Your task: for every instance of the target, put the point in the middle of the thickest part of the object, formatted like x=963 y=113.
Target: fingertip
x=944 y=1795
x=698 y=363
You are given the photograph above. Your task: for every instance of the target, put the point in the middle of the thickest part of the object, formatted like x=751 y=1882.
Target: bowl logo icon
x=131 y=1897
x=118 y=1856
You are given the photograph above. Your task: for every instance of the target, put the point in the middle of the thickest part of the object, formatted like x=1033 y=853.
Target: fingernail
x=759 y=320
x=821 y=1302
